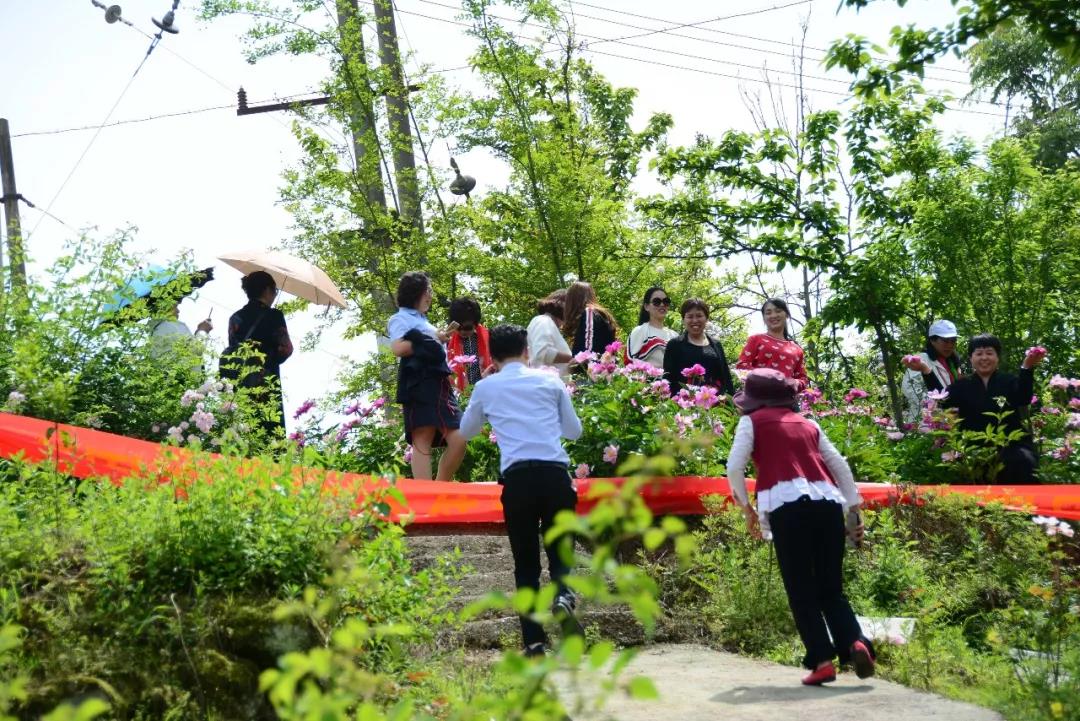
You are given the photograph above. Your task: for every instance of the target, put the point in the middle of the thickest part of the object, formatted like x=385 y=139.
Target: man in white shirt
x=529 y=410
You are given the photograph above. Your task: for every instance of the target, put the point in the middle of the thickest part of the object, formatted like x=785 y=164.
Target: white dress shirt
x=529 y=410
x=545 y=342
x=844 y=492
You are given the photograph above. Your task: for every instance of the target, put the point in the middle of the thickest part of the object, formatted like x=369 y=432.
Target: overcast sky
x=208 y=181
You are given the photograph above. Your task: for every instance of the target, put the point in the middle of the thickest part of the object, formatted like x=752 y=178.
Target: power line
x=620 y=41
x=89 y=145
x=129 y=121
x=132 y=121
x=667 y=31
x=712 y=20
x=737 y=35
x=589 y=47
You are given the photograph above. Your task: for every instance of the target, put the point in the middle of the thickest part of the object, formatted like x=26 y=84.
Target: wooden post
x=397 y=111
x=11 y=210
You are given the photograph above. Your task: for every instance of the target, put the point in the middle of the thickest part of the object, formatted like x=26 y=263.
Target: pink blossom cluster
x=694 y=371
x=1061 y=383
x=613 y=348
x=582 y=471
x=911 y=359
x=1035 y=350
x=951 y=456
x=854 y=394
x=304 y=408
x=1053 y=526
x=611 y=453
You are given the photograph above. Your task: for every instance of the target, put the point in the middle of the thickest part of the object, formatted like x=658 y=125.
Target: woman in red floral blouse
x=775 y=348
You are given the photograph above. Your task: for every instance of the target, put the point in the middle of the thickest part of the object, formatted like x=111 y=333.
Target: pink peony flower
x=1059 y=382
x=950 y=456
x=718 y=428
x=304 y=408
x=584 y=357
x=1074 y=403
x=1034 y=350
x=203 y=421
x=661 y=388
x=1051 y=410
x=684 y=399
x=190 y=398
x=812 y=395
x=911 y=359
x=706 y=397
x=582 y=471
x=855 y=393
x=613 y=348
x=611 y=454
x=1074 y=421
x=694 y=371
x=462 y=360
x=895 y=435
x=938 y=395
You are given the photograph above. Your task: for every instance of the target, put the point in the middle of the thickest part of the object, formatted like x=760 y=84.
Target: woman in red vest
x=468 y=339
x=803 y=486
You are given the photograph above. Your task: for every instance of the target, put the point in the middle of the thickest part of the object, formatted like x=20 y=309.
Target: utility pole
x=11 y=199
x=361 y=113
x=397 y=111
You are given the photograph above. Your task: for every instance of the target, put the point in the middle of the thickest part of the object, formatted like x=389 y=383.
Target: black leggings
x=809 y=537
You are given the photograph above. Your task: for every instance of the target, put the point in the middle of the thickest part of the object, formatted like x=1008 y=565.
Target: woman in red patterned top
x=775 y=348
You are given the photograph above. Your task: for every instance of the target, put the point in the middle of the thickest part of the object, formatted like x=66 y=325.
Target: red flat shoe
x=862 y=659
x=820 y=675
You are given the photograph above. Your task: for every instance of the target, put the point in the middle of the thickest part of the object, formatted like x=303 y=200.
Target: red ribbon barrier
x=85 y=453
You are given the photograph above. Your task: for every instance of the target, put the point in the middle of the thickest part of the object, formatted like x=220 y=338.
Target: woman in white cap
x=944 y=363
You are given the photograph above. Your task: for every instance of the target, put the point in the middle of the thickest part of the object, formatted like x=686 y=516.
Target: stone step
x=615 y=624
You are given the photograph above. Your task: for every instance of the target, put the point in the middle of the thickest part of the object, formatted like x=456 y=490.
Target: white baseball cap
x=943 y=329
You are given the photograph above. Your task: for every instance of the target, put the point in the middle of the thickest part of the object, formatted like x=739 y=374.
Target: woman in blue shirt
x=428 y=401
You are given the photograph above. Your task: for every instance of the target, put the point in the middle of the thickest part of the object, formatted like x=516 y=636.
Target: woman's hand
x=916 y=363
x=854 y=525
x=753 y=524
x=1034 y=356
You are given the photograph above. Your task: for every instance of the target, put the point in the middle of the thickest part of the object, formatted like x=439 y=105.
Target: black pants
x=531 y=498
x=809 y=537
x=1020 y=463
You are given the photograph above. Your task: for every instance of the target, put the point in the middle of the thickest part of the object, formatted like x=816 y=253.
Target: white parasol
x=293 y=275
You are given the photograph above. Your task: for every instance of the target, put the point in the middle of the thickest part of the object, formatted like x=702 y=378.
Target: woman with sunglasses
x=775 y=348
x=648 y=340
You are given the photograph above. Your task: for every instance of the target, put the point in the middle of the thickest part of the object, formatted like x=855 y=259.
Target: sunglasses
x=660 y=302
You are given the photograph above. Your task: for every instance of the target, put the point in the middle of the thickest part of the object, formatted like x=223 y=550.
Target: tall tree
x=1018 y=66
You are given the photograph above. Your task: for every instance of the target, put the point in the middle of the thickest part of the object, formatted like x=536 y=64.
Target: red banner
x=85 y=453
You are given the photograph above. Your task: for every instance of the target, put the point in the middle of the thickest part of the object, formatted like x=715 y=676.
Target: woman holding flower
x=775 y=348
x=944 y=363
x=990 y=397
x=693 y=348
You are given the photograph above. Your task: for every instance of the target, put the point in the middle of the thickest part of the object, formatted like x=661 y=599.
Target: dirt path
x=699 y=684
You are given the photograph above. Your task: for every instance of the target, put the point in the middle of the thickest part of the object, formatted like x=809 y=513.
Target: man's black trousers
x=533 y=494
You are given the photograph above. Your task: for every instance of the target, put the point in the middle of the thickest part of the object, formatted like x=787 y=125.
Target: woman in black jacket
x=696 y=347
x=264 y=327
x=590 y=324
x=982 y=397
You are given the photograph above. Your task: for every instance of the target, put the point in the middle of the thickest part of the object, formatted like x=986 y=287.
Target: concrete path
x=699 y=684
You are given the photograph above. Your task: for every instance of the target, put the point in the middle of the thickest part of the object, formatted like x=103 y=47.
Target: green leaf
x=642 y=687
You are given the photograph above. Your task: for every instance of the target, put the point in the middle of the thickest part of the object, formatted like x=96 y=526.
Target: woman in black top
x=590 y=324
x=989 y=391
x=696 y=347
x=263 y=327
